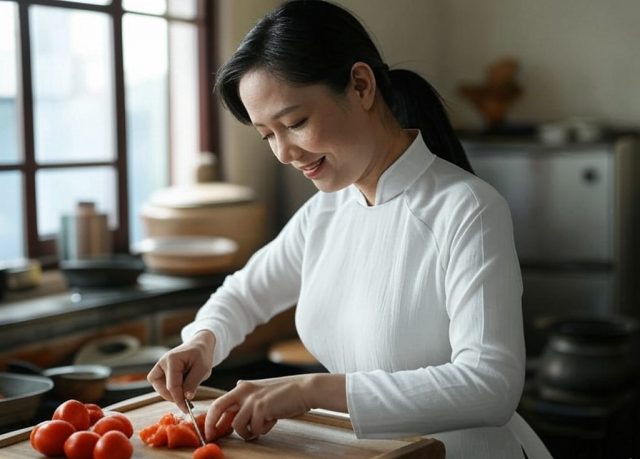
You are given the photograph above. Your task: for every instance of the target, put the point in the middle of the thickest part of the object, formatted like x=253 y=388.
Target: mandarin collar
x=401 y=174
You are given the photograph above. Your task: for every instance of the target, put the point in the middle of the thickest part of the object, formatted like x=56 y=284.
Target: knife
x=193 y=420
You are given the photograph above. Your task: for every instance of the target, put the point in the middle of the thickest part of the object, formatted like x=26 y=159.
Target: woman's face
x=325 y=136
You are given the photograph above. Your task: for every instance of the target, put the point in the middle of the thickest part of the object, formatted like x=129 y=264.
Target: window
x=100 y=100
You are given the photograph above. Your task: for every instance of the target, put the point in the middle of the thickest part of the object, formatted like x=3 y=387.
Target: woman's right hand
x=179 y=372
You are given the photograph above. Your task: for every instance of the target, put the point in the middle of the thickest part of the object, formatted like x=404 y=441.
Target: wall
x=247 y=159
x=577 y=58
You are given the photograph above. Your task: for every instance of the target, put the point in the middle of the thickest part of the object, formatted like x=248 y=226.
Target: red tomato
x=113 y=445
x=168 y=419
x=148 y=432
x=112 y=422
x=33 y=434
x=74 y=412
x=126 y=422
x=159 y=438
x=48 y=437
x=181 y=436
x=200 y=418
x=223 y=428
x=80 y=445
x=95 y=412
x=208 y=451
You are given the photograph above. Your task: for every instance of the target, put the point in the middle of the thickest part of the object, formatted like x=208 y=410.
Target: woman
x=403 y=267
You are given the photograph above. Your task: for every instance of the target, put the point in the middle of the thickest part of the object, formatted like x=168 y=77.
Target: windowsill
x=52 y=282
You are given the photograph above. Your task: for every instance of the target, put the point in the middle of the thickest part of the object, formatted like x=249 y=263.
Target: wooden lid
x=201 y=195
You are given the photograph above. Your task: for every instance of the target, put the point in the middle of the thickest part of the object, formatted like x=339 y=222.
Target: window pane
x=73 y=85
x=11 y=216
x=185 y=125
x=8 y=84
x=146 y=6
x=146 y=84
x=187 y=9
x=59 y=191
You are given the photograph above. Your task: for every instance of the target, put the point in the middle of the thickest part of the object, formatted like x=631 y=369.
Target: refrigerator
x=575 y=211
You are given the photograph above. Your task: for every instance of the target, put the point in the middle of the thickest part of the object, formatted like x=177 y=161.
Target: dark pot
x=589 y=357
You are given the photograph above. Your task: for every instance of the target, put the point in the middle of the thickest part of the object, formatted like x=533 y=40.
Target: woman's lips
x=313 y=170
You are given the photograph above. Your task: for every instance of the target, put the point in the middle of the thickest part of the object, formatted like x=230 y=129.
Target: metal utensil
x=193 y=420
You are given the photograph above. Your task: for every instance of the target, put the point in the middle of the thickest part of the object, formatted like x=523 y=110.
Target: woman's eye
x=267 y=136
x=297 y=125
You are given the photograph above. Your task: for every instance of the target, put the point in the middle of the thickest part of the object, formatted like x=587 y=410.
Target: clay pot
x=589 y=358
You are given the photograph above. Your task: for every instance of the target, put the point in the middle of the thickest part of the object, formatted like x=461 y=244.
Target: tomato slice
x=169 y=419
x=208 y=451
x=181 y=436
x=224 y=428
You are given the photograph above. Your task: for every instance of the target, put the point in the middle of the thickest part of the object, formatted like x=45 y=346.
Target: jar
x=589 y=357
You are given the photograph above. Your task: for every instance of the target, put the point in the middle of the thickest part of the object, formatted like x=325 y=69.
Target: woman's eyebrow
x=280 y=113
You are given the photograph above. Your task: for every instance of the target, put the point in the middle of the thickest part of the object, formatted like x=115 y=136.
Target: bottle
x=84 y=234
x=207 y=170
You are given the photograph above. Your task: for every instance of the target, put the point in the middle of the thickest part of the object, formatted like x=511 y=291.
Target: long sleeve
x=267 y=285
x=482 y=383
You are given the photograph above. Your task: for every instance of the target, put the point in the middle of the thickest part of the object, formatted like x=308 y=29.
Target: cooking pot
x=20 y=396
x=86 y=383
x=208 y=209
x=589 y=357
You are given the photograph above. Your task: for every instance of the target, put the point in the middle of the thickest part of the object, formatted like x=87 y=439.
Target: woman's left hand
x=259 y=404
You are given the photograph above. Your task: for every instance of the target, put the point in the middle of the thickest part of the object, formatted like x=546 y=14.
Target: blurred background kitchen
x=128 y=194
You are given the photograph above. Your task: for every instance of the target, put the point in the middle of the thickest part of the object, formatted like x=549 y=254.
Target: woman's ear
x=363 y=83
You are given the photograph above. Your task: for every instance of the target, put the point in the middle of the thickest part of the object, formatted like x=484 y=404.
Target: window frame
x=44 y=249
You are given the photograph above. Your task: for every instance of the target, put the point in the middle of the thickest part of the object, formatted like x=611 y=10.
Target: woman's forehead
x=265 y=96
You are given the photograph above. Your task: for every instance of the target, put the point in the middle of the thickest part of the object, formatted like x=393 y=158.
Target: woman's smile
x=314 y=169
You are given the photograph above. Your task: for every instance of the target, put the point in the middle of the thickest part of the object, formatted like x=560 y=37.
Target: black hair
x=306 y=42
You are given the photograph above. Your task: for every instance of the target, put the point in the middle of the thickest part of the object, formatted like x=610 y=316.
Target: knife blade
x=193 y=420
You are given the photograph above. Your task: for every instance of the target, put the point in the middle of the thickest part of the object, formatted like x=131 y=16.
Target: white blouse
x=417 y=299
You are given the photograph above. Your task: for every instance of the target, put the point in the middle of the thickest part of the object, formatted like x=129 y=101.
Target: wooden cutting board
x=314 y=435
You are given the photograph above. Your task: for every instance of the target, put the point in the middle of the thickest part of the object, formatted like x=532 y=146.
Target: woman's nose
x=285 y=151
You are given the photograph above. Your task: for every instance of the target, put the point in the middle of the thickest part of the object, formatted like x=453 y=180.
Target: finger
x=226 y=402
x=259 y=418
x=192 y=379
x=242 y=421
x=268 y=425
x=157 y=379
x=174 y=378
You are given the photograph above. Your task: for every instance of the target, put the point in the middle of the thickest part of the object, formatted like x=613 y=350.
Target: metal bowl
x=86 y=383
x=114 y=271
x=22 y=396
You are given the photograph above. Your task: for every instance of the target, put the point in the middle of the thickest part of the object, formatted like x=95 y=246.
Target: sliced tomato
x=169 y=419
x=208 y=451
x=200 y=418
x=223 y=427
x=148 y=432
x=181 y=436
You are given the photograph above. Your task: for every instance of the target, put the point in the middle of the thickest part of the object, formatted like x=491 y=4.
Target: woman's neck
x=392 y=144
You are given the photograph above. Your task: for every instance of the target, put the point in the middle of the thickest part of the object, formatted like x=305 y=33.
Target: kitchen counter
x=58 y=313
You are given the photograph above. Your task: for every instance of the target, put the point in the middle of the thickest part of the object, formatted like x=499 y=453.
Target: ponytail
x=416 y=104
x=305 y=42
